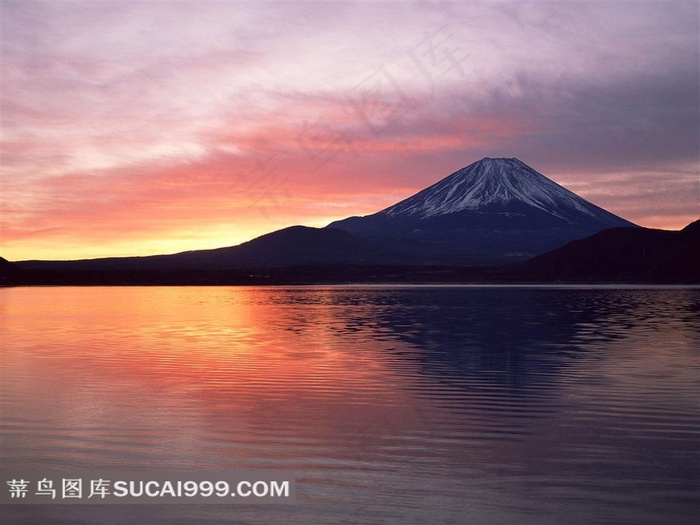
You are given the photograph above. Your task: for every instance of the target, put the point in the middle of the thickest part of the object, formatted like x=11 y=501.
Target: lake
x=392 y=404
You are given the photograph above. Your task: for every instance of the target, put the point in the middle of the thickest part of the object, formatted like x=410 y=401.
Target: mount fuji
x=492 y=211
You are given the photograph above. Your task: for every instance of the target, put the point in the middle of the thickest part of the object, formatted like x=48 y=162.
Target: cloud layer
x=134 y=128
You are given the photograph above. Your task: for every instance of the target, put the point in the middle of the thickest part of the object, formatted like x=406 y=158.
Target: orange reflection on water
x=190 y=369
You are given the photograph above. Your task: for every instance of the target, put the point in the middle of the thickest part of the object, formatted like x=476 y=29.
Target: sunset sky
x=134 y=128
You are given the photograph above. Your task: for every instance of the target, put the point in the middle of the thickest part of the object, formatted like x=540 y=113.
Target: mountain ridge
x=492 y=211
x=297 y=244
x=622 y=255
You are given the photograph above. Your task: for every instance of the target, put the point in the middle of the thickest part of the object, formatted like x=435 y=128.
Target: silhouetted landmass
x=292 y=275
x=293 y=246
x=294 y=255
x=625 y=255
x=9 y=272
x=301 y=255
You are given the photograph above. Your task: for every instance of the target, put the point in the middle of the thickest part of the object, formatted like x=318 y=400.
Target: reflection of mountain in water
x=518 y=338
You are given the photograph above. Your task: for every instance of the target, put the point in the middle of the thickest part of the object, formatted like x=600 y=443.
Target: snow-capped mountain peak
x=492 y=181
x=495 y=210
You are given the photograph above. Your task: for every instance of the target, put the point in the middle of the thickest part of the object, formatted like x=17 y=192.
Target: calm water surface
x=398 y=405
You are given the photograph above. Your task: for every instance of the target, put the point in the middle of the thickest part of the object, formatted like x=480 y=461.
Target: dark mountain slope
x=291 y=246
x=622 y=255
x=9 y=273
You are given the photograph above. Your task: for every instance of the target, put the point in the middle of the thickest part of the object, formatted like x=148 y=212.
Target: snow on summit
x=488 y=182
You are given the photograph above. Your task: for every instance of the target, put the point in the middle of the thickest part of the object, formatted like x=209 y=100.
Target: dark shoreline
x=309 y=276
x=614 y=256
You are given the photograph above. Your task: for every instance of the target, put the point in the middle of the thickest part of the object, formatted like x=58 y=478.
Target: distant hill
x=494 y=211
x=9 y=273
x=293 y=246
x=298 y=245
x=622 y=255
